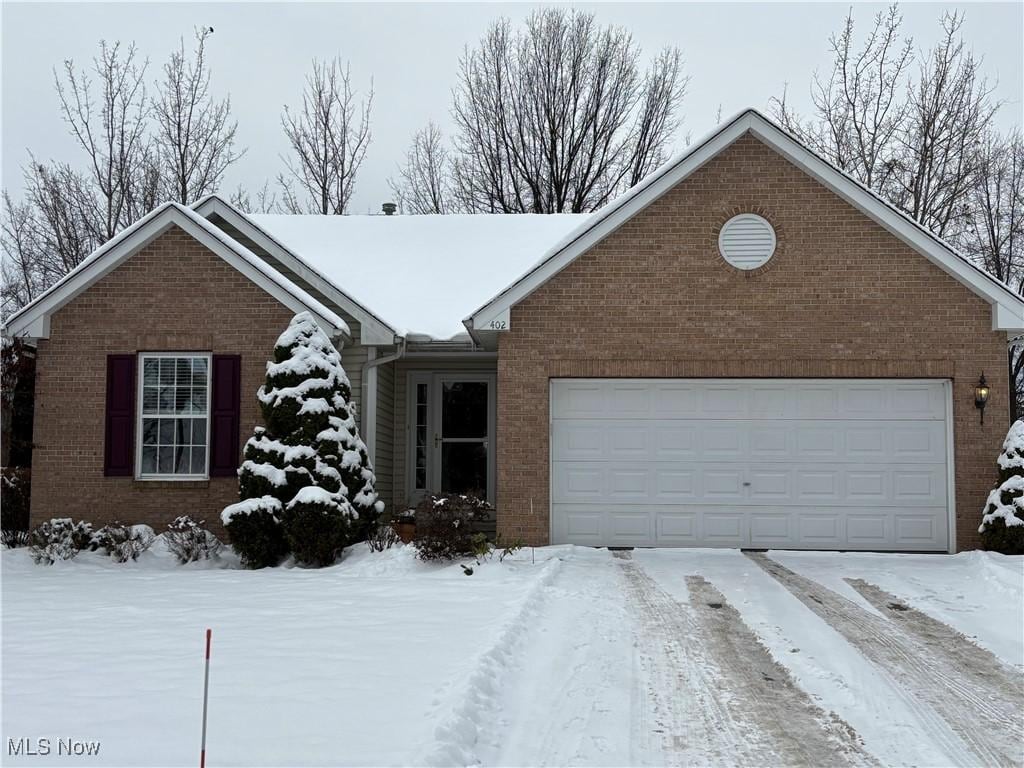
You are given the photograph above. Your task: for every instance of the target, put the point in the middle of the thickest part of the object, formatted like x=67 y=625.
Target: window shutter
x=118 y=454
x=224 y=415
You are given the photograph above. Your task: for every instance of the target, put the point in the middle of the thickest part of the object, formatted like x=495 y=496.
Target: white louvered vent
x=746 y=241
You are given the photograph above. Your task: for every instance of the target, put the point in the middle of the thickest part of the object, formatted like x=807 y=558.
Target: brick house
x=747 y=349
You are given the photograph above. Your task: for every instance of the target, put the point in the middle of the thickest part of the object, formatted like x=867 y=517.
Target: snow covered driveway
x=576 y=657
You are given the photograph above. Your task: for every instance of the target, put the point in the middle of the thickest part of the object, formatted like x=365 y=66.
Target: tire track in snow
x=949 y=704
x=716 y=695
x=991 y=684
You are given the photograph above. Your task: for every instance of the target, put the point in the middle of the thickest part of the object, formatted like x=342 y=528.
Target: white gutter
x=369 y=383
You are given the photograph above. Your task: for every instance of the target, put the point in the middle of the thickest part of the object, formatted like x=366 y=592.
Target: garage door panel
x=796 y=463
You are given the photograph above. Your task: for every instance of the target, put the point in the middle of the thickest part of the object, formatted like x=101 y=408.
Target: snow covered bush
x=444 y=526
x=306 y=485
x=13 y=539
x=316 y=527
x=59 y=539
x=123 y=542
x=382 y=536
x=188 y=541
x=1002 y=527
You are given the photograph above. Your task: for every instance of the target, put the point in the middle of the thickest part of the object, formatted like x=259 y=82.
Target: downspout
x=369 y=384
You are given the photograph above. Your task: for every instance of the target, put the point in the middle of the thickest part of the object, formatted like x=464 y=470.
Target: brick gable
x=841 y=297
x=174 y=294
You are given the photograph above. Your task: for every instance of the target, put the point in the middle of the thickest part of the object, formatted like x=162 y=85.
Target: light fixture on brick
x=981 y=396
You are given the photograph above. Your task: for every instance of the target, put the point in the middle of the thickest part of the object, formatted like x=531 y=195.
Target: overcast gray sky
x=737 y=56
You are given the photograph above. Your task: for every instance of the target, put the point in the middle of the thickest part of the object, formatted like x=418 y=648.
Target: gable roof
x=372 y=328
x=420 y=273
x=33 y=320
x=1007 y=306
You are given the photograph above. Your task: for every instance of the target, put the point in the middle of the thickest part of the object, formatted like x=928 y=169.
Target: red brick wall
x=172 y=295
x=841 y=297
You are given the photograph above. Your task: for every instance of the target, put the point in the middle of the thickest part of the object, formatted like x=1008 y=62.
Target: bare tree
x=950 y=107
x=22 y=280
x=558 y=116
x=195 y=134
x=48 y=234
x=328 y=137
x=993 y=225
x=423 y=183
x=859 y=109
x=265 y=201
x=110 y=123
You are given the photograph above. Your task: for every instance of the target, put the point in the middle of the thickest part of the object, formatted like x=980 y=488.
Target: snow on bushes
x=59 y=539
x=123 y=542
x=1002 y=527
x=188 y=541
x=444 y=526
x=306 y=485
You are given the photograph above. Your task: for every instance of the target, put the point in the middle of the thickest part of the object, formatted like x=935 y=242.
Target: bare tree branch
x=423 y=184
x=558 y=116
x=328 y=137
x=109 y=120
x=195 y=135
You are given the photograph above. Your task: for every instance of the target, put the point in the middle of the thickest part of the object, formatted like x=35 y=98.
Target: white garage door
x=808 y=464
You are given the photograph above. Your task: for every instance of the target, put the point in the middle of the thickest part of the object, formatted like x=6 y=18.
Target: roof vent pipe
x=389 y=209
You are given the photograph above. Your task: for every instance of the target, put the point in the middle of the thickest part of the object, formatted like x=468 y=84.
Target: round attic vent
x=746 y=241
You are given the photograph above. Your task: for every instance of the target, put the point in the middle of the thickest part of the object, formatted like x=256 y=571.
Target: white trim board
x=1007 y=306
x=372 y=329
x=33 y=320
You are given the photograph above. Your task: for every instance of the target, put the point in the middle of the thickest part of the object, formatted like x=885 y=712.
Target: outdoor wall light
x=981 y=396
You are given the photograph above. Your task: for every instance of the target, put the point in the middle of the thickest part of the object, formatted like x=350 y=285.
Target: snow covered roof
x=421 y=274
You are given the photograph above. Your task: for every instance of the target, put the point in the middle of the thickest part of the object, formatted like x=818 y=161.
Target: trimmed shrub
x=188 y=541
x=444 y=526
x=123 y=542
x=309 y=458
x=315 y=529
x=59 y=539
x=256 y=531
x=1001 y=529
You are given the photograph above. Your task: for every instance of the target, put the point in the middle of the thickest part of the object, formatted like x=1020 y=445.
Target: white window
x=174 y=415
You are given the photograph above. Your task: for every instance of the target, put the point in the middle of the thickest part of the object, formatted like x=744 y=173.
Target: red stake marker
x=206 y=694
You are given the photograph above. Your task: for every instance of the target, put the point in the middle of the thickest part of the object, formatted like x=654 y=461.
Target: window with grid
x=174 y=415
x=421 y=438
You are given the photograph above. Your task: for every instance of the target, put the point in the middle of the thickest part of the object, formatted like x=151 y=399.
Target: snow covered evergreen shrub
x=1002 y=527
x=315 y=527
x=59 y=539
x=444 y=526
x=123 y=542
x=188 y=541
x=306 y=484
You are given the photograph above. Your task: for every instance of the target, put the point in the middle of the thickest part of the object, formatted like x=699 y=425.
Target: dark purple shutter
x=118 y=457
x=224 y=415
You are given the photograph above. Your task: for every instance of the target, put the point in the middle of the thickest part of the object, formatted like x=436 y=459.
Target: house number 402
x=497 y=325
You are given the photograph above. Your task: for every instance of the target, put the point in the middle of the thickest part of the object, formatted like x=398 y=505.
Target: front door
x=463 y=443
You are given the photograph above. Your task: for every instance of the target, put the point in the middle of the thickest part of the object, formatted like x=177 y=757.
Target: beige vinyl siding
x=402 y=429
x=384 y=464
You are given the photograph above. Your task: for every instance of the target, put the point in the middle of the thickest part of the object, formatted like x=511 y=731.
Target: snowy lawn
x=583 y=657
x=370 y=662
